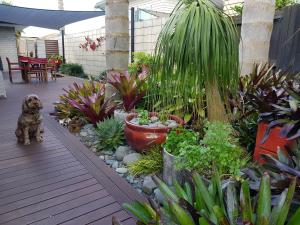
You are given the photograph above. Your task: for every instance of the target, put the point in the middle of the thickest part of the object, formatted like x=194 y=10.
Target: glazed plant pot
x=271 y=145
x=142 y=138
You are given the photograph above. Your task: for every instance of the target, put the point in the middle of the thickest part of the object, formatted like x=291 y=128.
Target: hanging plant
x=93 y=45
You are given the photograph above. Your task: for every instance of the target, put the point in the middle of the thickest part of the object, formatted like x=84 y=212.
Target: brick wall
x=8 y=45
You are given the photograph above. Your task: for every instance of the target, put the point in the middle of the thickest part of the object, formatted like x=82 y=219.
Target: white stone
x=122 y=170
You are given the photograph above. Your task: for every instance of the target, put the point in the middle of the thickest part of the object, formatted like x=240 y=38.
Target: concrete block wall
x=8 y=45
x=146 y=34
x=93 y=62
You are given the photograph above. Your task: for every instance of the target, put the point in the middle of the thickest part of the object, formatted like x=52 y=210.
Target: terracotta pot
x=143 y=138
x=272 y=143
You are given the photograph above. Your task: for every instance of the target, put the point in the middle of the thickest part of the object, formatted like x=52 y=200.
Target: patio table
x=38 y=62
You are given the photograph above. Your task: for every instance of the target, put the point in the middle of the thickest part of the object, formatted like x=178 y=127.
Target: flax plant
x=197 y=50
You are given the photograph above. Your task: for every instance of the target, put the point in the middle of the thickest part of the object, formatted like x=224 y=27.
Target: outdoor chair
x=51 y=68
x=38 y=67
x=13 y=67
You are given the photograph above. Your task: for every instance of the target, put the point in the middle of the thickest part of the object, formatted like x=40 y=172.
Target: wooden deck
x=58 y=181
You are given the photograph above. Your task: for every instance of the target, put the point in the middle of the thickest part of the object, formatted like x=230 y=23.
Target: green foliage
x=110 y=134
x=73 y=69
x=238 y=8
x=141 y=62
x=246 y=128
x=197 y=45
x=143 y=116
x=150 y=163
x=218 y=149
x=55 y=58
x=279 y=4
x=6 y=2
x=199 y=203
x=178 y=136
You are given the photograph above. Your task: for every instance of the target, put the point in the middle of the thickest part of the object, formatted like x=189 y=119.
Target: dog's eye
x=35 y=98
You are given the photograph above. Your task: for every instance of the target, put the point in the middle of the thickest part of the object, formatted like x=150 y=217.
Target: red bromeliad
x=130 y=87
x=91 y=101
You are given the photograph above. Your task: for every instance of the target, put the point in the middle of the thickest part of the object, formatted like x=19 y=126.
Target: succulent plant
x=110 y=134
x=199 y=203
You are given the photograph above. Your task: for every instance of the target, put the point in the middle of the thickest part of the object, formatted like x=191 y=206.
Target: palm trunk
x=257 y=26
x=215 y=105
x=117 y=35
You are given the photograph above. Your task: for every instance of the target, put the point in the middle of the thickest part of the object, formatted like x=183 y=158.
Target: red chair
x=37 y=66
x=13 y=67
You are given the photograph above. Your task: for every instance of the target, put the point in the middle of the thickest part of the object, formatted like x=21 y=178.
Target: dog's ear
x=25 y=107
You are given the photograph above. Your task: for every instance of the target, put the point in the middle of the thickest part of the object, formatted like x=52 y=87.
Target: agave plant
x=209 y=204
x=89 y=100
x=110 y=134
x=129 y=86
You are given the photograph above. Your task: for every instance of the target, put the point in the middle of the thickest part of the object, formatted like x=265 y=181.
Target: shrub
x=110 y=134
x=178 y=136
x=217 y=149
x=150 y=163
x=73 y=69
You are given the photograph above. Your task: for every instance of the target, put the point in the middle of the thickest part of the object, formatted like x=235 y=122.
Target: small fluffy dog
x=30 y=121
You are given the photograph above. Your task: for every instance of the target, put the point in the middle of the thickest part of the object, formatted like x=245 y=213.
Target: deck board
x=58 y=181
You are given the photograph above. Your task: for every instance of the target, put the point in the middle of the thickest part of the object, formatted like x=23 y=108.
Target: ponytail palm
x=197 y=49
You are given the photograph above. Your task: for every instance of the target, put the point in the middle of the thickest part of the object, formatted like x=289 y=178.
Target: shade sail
x=51 y=19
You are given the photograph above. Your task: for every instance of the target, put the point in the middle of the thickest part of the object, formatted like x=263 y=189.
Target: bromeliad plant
x=282 y=169
x=131 y=87
x=89 y=100
x=257 y=91
x=198 y=203
x=287 y=116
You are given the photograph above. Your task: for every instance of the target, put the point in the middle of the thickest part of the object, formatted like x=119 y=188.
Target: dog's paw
x=27 y=142
x=40 y=139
